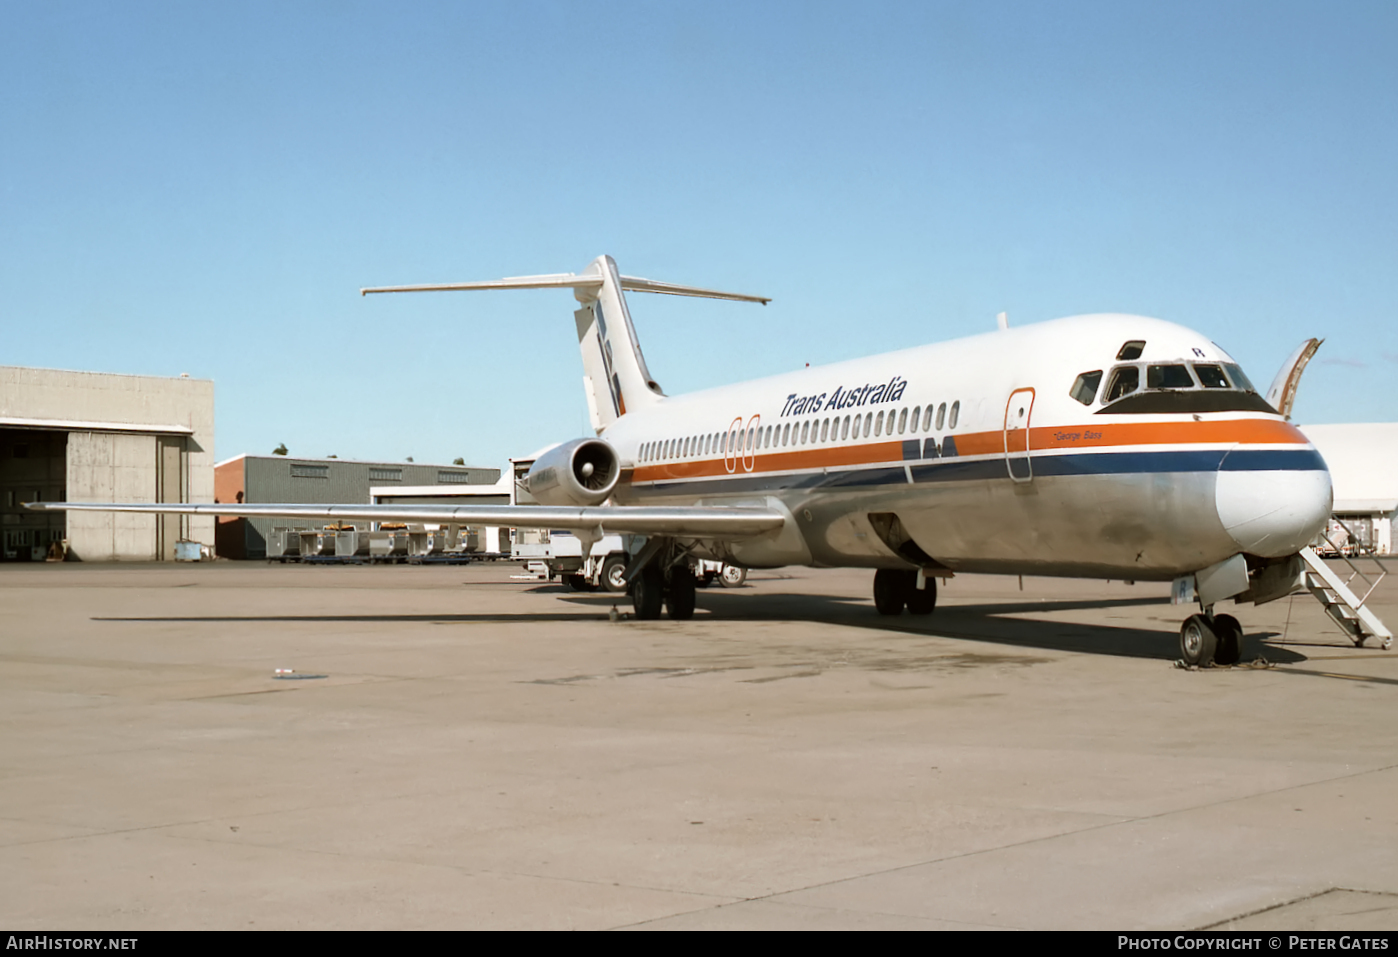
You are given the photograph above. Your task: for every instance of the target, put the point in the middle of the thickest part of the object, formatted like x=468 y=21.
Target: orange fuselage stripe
x=1053 y=438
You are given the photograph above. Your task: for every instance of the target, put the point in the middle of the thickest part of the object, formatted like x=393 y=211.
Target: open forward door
x=1282 y=395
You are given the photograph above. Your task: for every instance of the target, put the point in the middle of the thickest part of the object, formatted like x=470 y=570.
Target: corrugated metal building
x=1363 y=461
x=97 y=437
x=267 y=479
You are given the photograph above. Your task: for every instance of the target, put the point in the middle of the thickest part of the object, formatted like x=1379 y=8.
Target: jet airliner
x=1101 y=446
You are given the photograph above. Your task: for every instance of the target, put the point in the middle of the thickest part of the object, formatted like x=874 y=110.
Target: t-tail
x=615 y=377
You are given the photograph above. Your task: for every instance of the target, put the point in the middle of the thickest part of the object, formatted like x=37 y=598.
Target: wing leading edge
x=723 y=523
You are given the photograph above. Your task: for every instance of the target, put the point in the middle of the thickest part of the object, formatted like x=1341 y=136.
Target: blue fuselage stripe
x=961 y=470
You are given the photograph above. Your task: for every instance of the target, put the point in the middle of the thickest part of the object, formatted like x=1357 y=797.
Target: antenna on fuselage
x=1003 y=320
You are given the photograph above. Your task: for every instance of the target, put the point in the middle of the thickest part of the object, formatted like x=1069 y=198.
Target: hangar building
x=96 y=437
x=1363 y=461
x=268 y=479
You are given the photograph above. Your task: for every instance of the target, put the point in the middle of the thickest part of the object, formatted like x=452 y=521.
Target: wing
x=711 y=522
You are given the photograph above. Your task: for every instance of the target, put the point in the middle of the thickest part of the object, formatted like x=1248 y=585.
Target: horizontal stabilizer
x=565 y=280
x=615 y=375
x=573 y=281
x=636 y=284
x=710 y=522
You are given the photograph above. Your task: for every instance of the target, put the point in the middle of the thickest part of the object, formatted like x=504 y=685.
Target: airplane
x=1105 y=446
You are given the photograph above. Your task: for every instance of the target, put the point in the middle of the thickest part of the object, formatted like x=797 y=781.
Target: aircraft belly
x=1147 y=526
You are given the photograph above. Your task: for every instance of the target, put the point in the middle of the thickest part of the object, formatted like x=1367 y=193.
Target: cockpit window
x=1240 y=381
x=1125 y=380
x=1210 y=376
x=1131 y=350
x=1085 y=388
x=1168 y=377
x=1171 y=387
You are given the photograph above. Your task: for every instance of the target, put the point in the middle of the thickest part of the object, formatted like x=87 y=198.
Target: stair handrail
x=1355 y=571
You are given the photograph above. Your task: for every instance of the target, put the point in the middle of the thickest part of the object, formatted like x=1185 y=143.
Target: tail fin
x=615 y=376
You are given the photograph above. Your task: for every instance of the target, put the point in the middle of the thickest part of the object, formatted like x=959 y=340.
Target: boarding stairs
x=1339 y=595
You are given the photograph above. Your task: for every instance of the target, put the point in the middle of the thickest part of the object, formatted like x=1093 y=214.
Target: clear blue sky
x=203 y=188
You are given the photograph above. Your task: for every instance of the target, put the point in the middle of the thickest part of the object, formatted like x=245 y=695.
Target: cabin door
x=1017 y=413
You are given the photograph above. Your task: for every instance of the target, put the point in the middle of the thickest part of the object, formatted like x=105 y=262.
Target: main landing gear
x=1210 y=639
x=673 y=588
x=896 y=588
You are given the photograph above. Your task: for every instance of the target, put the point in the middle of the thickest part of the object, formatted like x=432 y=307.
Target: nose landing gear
x=1210 y=639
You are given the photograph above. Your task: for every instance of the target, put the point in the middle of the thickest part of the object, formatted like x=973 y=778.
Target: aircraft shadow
x=976 y=622
x=986 y=622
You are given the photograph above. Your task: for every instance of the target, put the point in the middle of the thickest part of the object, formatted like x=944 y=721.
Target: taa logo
x=740 y=444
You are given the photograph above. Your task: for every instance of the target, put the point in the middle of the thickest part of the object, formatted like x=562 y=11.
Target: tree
x=280 y=450
x=458 y=461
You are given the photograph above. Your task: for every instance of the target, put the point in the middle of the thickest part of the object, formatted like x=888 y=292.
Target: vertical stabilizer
x=615 y=375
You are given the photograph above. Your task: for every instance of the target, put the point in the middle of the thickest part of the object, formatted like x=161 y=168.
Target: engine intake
x=582 y=472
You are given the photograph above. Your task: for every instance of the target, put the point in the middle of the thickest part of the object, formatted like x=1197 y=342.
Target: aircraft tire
x=890 y=591
x=1198 y=642
x=1230 y=640
x=922 y=602
x=679 y=602
x=647 y=594
x=614 y=574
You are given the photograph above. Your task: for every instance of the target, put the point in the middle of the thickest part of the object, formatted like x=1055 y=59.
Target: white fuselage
x=973 y=455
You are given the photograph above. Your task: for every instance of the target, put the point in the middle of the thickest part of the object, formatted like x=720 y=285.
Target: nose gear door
x=1017 y=413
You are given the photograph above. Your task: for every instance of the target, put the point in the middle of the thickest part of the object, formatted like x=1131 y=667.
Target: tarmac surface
x=457 y=748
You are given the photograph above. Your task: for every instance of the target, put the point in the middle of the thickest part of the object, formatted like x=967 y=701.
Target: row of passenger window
x=805 y=432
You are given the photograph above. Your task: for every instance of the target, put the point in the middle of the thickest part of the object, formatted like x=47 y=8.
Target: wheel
x=1230 y=640
x=614 y=574
x=890 y=591
x=922 y=602
x=646 y=594
x=578 y=583
x=679 y=600
x=732 y=576
x=705 y=580
x=1197 y=641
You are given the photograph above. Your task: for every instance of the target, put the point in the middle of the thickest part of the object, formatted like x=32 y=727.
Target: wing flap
x=711 y=522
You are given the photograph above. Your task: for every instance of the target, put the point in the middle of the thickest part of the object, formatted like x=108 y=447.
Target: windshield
x=1179 y=386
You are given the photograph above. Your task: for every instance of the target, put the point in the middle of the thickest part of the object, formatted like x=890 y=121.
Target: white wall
x=1363 y=462
x=1362 y=456
x=107 y=467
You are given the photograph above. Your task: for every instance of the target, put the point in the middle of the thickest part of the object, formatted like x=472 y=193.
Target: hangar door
x=126 y=467
x=33 y=464
x=172 y=477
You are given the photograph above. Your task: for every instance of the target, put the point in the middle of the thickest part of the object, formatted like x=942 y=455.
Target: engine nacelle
x=582 y=472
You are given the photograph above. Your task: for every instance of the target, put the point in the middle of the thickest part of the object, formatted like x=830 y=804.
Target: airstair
x=1339 y=596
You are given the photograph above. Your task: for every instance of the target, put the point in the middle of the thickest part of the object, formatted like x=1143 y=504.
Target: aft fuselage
x=988 y=454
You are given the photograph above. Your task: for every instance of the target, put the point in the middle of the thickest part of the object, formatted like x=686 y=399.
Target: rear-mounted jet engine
x=582 y=472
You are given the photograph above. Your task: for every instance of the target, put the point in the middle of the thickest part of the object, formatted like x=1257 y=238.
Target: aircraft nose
x=1273 y=513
